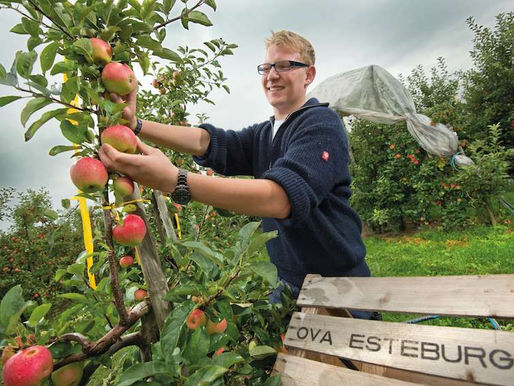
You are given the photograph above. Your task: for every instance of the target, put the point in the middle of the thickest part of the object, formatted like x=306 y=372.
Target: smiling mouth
x=275 y=88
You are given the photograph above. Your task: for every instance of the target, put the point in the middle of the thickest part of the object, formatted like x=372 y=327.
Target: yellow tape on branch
x=84 y=214
x=179 y=231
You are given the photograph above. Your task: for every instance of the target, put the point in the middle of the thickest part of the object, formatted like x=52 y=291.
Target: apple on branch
x=69 y=375
x=118 y=78
x=196 y=318
x=123 y=186
x=126 y=261
x=102 y=51
x=29 y=367
x=121 y=138
x=140 y=294
x=216 y=328
x=131 y=232
x=89 y=174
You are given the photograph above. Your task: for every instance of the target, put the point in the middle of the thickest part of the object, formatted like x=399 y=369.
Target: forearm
x=191 y=140
x=260 y=197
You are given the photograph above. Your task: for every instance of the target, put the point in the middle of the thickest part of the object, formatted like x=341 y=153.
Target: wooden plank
x=304 y=372
x=460 y=353
x=482 y=296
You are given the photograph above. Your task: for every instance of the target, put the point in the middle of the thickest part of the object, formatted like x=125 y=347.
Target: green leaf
x=25 y=62
x=11 y=308
x=31 y=26
x=62 y=67
x=8 y=99
x=246 y=232
x=65 y=202
x=146 y=41
x=273 y=381
x=51 y=214
x=168 y=54
x=39 y=79
x=258 y=242
x=60 y=149
x=173 y=327
x=198 y=345
x=41 y=121
x=59 y=273
x=76 y=269
x=38 y=314
x=63 y=349
x=70 y=89
x=32 y=106
x=73 y=296
x=167 y=5
x=261 y=352
x=227 y=359
x=73 y=133
x=10 y=78
x=266 y=270
x=3 y=72
x=211 y=46
x=144 y=370
x=48 y=56
x=33 y=42
x=206 y=376
x=18 y=29
x=199 y=17
x=215 y=257
x=211 y=3
x=84 y=47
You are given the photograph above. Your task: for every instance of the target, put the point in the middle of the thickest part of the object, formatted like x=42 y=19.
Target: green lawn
x=479 y=250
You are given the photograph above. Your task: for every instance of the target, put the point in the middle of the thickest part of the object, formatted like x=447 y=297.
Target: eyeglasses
x=281 y=66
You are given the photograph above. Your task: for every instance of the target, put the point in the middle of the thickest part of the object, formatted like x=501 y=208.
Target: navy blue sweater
x=309 y=158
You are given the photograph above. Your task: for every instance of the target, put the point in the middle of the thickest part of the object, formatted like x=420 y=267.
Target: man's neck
x=283 y=114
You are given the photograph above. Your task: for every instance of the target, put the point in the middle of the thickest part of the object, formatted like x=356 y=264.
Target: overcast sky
x=346 y=34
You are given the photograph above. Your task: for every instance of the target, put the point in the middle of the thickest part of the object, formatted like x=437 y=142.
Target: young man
x=299 y=158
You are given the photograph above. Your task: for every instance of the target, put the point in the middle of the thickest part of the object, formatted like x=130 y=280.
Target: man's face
x=285 y=90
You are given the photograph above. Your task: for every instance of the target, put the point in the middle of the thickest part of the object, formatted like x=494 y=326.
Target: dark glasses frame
x=292 y=64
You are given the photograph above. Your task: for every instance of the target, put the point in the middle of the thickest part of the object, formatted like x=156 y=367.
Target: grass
x=478 y=250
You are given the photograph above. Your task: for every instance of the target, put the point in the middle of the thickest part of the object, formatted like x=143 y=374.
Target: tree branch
x=110 y=342
x=49 y=18
x=29 y=17
x=113 y=266
x=178 y=17
x=55 y=100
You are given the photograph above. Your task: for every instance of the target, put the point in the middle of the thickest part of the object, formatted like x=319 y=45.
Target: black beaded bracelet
x=139 y=125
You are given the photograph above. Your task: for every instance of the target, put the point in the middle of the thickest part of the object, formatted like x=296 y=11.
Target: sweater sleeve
x=315 y=161
x=229 y=152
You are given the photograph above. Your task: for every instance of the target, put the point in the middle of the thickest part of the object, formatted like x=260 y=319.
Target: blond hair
x=294 y=41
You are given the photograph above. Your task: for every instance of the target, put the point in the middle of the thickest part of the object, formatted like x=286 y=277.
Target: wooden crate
x=399 y=353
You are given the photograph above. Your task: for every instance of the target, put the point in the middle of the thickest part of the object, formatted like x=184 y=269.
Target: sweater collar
x=312 y=102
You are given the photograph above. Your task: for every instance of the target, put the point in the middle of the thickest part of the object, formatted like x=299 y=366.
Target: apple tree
x=206 y=317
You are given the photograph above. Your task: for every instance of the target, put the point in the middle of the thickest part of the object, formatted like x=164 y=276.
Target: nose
x=273 y=73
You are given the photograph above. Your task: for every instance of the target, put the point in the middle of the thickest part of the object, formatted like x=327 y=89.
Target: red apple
x=69 y=375
x=89 y=174
x=131 y=233
x=216 y=328
x=126 y=261
x=121 y=138
x=196 y=318
x=119 y=78
x=140 y=294
x=102 y=51
x=29 y=367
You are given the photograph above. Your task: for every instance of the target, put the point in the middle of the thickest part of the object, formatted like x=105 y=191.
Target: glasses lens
x=263 y=68
x=282 y=66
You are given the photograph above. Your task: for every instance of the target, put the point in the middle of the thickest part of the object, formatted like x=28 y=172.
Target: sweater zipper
x=285 y=121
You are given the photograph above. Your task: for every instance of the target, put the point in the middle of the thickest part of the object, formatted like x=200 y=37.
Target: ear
x=310 y=75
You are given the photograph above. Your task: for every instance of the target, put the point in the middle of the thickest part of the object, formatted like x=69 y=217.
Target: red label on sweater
x=325 y=156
